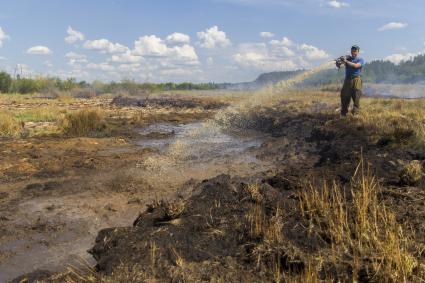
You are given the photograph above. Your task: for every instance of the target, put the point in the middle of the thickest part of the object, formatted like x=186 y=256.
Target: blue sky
x=200 y=41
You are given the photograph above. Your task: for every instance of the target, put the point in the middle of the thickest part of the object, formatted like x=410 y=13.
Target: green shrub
x=5 y=82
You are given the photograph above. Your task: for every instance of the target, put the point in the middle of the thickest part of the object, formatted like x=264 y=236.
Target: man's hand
x=351 y=64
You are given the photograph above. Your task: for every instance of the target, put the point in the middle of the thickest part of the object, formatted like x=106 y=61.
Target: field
x=201 y=186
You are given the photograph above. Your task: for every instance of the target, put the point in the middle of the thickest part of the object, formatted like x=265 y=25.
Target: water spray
x=235 y=117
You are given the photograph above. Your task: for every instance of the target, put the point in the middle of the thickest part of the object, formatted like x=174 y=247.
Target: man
x=352 y=88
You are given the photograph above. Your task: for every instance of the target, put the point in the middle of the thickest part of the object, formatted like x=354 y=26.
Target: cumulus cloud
x=39 y=50
x=105 y=46
x=283 y=42
x=127 y=57
x=337 y=4
x=157 y=57
x=185 y=53
x=393 y=25
x=76 y=59
x=266 y=34
x=154 y=47
x=398 y=58
x=176 y=38
x=313 y=53
x=262 y=57
x=3 y=36
x=150 y=46
x=102 y=67
x=73 y=35
x=213 y=37
x=277 y=55
x=73 y=55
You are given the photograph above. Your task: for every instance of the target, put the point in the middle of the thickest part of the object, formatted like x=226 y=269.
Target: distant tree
x=5 y=82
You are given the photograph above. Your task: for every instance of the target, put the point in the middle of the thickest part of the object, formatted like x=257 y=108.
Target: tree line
x=49 y=85
x=379 y=71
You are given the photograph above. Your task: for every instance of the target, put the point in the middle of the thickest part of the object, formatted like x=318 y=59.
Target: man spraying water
x=352 y=88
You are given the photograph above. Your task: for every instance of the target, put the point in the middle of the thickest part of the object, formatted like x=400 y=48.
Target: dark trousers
x=351 y=90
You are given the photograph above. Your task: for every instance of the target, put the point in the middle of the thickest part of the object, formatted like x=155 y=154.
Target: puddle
x=55 y=239
x=198 y=151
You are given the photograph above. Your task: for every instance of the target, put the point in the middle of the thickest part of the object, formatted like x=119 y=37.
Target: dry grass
x=398 y=121
x=9 y=125
x=358 y=230
x=394 y=122
x=411 y=173
x=40 y=114
x=84 y=122
x=172 y=209
x=357 y=237
x=121 y=274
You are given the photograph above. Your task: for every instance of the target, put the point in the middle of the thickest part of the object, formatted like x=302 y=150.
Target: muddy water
x=198 y=151
x=55 y=231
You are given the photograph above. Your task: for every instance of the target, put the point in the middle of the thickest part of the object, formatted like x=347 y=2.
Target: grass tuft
x=411 y=174
x=86 y=122
x=358 y=230
x=9 y=125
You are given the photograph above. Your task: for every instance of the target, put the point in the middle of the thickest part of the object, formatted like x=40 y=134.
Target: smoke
x=395 y=90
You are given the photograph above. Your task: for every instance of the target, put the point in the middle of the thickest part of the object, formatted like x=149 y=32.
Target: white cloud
x=210 y=61
x=134 y=67
x=73 y=55
x=179 y=72
x=262 y=62
x=39 y=50
x=150 y=46
x=393 y=25
x=2 y=58
x=398 y=58
x=213 y=37
x=154 y=47
x=73 y=36
x=176 y=38
x=3 y=36
x=277 y=55
x=313 y=53
x=48 y=64
x=338 y=4
x=102 y=67
x=185 y=53
x=76 y=59
x=263 y=57
x=284 y=42
x=153 y=57
x=266 y=34
x=127 y=57
x=105 y=46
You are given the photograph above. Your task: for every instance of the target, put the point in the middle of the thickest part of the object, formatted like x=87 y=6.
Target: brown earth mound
x=212 y=234
x=207 y=104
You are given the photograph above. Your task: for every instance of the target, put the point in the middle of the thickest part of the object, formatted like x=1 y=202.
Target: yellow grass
x=363 y=233
x=84 y=122
x=9 y=125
